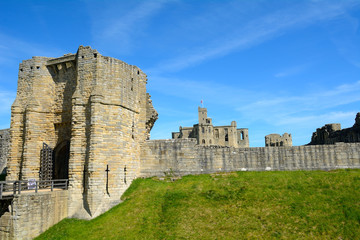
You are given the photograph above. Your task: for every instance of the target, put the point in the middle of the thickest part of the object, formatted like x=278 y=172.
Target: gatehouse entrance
x=61 y=161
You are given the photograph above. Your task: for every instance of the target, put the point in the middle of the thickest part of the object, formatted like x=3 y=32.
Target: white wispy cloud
x=319 y=119
x=210 y=91
x=303 y=109
x=345 y=36
x=112 y=26
x=258 y=31
x=13 y=48
x=292 y=70
x=124 y=25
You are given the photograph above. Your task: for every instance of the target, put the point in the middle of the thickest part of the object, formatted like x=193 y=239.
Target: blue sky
x=272 y=66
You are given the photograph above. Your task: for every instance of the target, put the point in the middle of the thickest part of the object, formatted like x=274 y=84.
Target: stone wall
x=185 y=157
x=31 y=214
x=4 y=148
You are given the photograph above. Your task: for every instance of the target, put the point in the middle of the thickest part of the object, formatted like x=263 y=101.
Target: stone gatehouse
x=92 y=112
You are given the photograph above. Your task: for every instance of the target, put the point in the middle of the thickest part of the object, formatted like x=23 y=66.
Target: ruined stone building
x=91 y=112
x=4 y=148
x=332 y=133
x=276 y=140
x=207 y=134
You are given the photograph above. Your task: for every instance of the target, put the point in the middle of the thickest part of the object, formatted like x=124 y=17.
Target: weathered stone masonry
x=184 y=156
x=4 y=148
x=94 y=112
x=31 y=214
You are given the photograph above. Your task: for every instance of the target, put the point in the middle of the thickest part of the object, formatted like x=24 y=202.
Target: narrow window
x=125 y=174
x=132 y=131
x=242 y=135
x=202 y=129
x=203 y=141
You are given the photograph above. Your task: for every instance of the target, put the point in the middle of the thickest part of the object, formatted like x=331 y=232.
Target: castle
x=92 y=116
x=276 y=140
x=206 y=134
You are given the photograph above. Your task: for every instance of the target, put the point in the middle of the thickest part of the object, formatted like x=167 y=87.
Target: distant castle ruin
x=332 y=133
x=276 y=140
x=86 y=118
x=206 y=134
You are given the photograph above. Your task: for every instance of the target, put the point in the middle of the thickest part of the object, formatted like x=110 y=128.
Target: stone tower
x=93 y=112
x=207 y=134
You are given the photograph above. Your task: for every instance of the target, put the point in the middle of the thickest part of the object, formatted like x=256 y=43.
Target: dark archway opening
x=61 y=160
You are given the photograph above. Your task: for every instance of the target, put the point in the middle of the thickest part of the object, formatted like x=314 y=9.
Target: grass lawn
x=238 y=205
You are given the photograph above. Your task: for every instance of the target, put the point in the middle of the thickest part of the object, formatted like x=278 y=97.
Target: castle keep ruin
x=206 y=134
x=276 y=140
x=332 y=133
x=92 y=112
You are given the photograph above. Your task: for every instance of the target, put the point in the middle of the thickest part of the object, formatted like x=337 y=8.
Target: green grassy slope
x=241 y=205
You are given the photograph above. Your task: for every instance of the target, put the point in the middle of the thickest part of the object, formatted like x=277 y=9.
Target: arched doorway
x=61 y=160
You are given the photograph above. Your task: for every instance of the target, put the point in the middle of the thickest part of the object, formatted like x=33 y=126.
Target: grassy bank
x=241 y=205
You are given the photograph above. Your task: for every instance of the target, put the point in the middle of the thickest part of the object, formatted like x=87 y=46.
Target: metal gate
x=46 y=163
